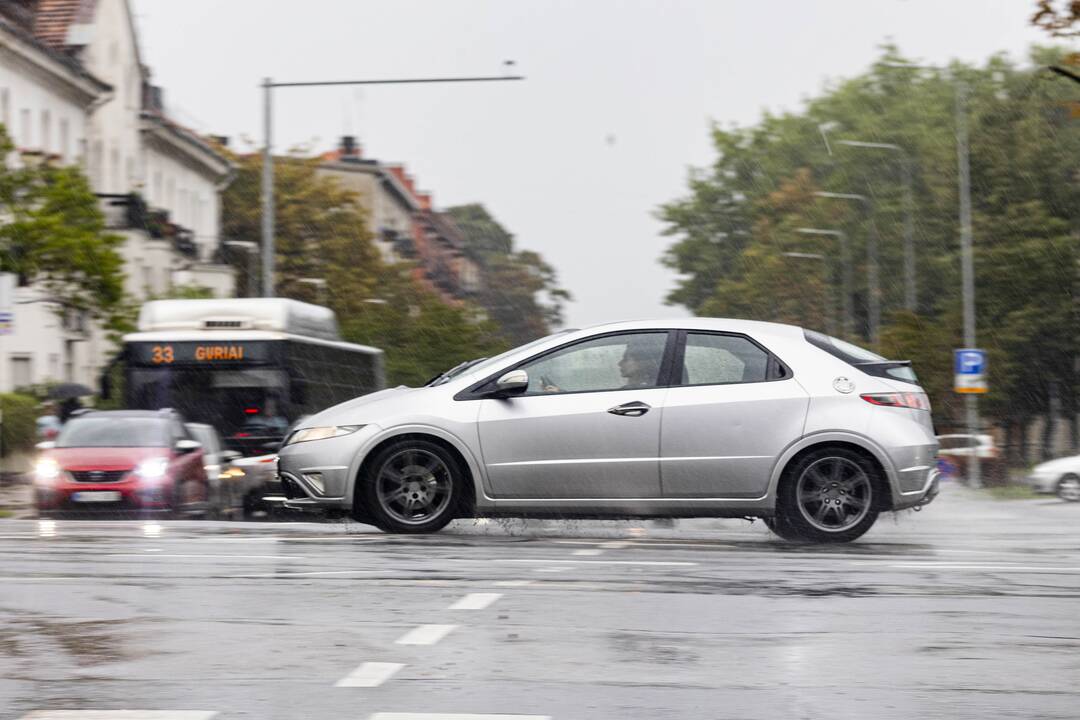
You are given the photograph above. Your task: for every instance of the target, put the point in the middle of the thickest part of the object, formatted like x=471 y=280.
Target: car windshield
x=482 y=363
x=114 y=432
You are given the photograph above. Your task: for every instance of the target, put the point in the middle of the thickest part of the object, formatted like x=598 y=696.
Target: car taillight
x=915 y=401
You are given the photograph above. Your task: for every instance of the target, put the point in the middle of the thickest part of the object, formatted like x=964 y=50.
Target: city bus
x=250 y=367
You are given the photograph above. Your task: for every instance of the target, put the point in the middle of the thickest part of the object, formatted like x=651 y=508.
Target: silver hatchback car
x=683 y=418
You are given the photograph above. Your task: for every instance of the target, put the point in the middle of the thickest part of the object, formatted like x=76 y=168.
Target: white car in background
x=1059 y=477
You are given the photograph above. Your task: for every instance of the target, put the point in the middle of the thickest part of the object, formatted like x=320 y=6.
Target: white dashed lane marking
x=588 y=551
x=119 y=715
x=453 y=716
x=425 y=635
x=514 y=583
x=475 y=601
x=653 y=563
x=370 y=674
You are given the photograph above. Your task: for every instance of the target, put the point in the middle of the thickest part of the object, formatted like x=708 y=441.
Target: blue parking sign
x=969 y=365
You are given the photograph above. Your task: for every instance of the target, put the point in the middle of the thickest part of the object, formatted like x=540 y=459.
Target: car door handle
x=630 y=409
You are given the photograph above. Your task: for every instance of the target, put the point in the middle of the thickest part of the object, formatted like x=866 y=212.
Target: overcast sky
x=575 y=159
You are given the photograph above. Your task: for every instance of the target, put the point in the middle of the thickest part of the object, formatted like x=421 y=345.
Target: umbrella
x=66 y=391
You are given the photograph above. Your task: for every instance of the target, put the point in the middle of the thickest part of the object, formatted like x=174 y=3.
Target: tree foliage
x=53 y=234
x=520 y=292
x=321 y=234
x=743 y=212
x=1057 y=17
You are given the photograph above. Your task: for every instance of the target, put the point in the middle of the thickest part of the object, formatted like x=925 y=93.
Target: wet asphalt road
x=970 y=609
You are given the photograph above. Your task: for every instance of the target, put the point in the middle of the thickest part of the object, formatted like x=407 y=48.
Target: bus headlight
x=320 y=433
x=46 y=471
x=152 y=469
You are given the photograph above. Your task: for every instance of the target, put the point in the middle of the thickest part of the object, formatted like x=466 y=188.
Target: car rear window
x=114 y=432
x=869 y=362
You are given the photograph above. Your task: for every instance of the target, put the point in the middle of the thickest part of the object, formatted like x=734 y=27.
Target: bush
x=19 y=422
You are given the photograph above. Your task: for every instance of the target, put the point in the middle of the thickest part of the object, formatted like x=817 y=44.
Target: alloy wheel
x=833 y=494
x=1069 y=489
x=414 y=486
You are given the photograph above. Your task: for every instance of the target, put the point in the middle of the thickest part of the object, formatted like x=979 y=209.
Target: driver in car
x=639 y=366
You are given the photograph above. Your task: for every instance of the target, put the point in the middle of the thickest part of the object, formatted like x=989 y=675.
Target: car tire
x=412 y=486
x=1068 y=488
x=830 y=495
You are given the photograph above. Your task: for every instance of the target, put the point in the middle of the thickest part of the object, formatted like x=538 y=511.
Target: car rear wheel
x=827 y=495
x=1068 y=488
x=412 y=487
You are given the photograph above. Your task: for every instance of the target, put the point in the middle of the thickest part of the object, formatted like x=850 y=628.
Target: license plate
x=96 y=496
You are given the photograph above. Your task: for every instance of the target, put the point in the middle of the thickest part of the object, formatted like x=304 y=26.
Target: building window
x=5 y=109
x=69 y=361
x=46 y=131
x=130 y=172
x=25 y=139
x=54 y=366
x=97 y=165
x=114 y=170
x=65 y=140
x=157 y=187
x=21 y=371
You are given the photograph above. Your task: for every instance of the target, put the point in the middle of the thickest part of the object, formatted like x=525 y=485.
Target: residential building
x=404 y=222
x=73 y=86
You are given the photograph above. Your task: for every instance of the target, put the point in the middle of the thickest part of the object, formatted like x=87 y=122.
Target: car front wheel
x=412 y=487
x=827 y=495
x=1068 y=488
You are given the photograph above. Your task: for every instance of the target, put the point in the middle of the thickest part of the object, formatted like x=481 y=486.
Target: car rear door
x=583 y=429
x=733 y=409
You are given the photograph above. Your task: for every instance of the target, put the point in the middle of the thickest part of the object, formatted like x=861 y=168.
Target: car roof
x=145 y=414
x=699 y=323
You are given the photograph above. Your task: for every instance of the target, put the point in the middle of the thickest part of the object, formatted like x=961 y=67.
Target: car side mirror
x=46 y=445
x=514 y=382
x=184 y=447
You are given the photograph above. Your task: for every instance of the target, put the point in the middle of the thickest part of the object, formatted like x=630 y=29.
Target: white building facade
x=73 y=87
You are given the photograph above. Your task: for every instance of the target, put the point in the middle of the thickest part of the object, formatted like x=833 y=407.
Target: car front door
x=732 y=411
x=588 y=426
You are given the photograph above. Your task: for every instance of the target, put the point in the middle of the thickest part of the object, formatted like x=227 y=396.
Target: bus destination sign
x=198 y=353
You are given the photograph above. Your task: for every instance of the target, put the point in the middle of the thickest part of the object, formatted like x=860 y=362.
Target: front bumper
x=131 y=495
x=1045 y=483
x=318 y=475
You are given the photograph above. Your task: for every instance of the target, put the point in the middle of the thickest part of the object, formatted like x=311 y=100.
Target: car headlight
x=46 y=471
x=321 y=433
x=152 y=469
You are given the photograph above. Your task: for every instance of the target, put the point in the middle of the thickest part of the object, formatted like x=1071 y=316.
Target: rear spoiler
x=881 y=368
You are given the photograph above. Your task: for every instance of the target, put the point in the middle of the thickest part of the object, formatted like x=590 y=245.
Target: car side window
x=722 y=359
x=613 y=362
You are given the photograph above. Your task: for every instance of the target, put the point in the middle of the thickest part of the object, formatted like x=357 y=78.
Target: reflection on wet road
x=968 y=609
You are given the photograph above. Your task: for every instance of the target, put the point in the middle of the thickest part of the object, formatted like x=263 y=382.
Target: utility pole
x=268 y=86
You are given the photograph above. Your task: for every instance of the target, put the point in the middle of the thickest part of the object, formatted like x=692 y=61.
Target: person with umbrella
x=68 y=395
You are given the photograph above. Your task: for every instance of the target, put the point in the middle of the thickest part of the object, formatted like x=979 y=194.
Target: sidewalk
x=16 y=499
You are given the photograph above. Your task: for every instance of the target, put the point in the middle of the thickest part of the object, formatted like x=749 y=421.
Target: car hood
x=366 y=408
x=80 y=458
x=1060 y=463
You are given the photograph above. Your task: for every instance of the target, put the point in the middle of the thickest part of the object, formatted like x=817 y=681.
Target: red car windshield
x=114 y=432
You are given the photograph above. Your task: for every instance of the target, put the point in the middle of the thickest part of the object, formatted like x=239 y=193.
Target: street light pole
x=967 y=262
x=848 y=321
x=268 y=160
x=910 y=294
x=873 y=280
x=268 y=255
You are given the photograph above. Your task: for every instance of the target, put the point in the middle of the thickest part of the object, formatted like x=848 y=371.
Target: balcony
x=130 y=212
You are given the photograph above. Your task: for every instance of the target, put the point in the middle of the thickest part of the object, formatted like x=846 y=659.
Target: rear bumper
x=921 y=497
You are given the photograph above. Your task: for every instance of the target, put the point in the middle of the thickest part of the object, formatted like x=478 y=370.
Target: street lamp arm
x=398 y=81
x=1064 y=73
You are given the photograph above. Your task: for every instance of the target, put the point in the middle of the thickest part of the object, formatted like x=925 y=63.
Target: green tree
x=740 y=214
x=54 y=235
x=321 y=233
x=520 y=292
